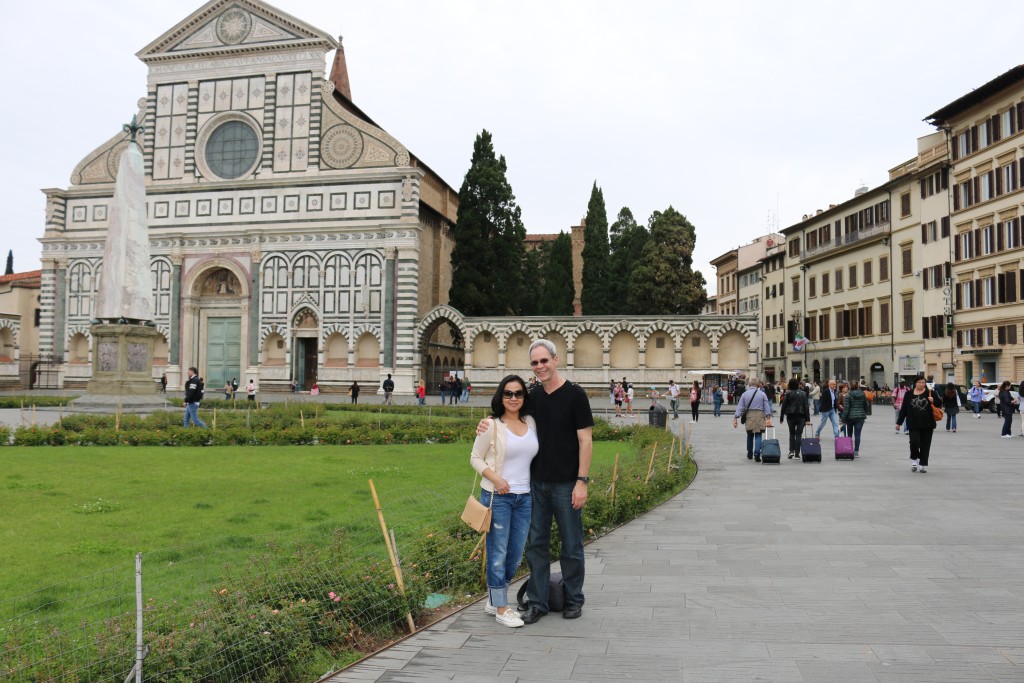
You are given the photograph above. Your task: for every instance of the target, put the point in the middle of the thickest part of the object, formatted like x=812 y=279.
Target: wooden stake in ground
x=671 y=452
x=615 y=478
x=302 y=420
x=391 y=553
x=650 y=466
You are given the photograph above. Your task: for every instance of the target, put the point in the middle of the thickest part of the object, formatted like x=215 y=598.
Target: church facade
x=293 y=239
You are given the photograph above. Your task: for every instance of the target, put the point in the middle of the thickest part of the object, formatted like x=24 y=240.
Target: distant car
x=991 y=390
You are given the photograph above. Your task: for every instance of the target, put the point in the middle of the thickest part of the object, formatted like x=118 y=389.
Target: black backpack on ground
x=556 y=594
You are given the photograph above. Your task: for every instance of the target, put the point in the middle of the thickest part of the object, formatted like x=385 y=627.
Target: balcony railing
x=872 y=232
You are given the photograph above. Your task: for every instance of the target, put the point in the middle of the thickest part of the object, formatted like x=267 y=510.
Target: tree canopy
x=627 y=240
x=557 y=291
x=595 y=297
x=664 y=282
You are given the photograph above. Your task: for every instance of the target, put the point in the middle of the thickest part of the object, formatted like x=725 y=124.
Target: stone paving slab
x=840 y=571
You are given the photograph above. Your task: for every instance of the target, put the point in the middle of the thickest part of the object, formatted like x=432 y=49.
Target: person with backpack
x=916 y=412
x=951 y=405
x=855 y=412
x=194 y=388
x=794 y=409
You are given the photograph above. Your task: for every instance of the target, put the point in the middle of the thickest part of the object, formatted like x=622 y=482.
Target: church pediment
x=100 y=166
x=234 y=27
x=348 y=141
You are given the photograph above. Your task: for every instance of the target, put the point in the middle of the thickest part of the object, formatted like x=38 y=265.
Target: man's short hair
x=546 y=344
x=195 y=371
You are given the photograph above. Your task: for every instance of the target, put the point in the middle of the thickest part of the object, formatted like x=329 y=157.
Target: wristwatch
x=585 y=480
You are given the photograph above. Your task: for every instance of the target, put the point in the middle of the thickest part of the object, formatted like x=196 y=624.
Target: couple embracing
x=534 y=456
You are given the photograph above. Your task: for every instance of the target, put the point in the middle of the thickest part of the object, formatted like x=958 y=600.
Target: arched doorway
x=816 y=366
x=877 y=375
x=305 y=359
x=215 y=321
x=442 y=338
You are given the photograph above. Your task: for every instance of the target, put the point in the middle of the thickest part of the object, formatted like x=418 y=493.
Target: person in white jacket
x=502 y=456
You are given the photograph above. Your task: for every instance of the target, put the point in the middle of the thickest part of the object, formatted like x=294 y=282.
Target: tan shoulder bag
x=476 y=514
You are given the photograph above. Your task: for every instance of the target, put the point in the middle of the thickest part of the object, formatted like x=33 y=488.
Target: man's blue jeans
x=510 y=522
x=754 y=443
x=825 y=417
x=554 y=500
x=192 y=415
x=674 y=402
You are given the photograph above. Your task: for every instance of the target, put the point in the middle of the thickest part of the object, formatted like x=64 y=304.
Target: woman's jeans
x=796 y=429
x=976 y=405
x=951 y=418
x=510 y=523
x=1007 y=422
x=718 y=408
x=853 y=428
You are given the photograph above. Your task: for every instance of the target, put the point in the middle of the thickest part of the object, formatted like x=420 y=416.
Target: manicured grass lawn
x=70 y=511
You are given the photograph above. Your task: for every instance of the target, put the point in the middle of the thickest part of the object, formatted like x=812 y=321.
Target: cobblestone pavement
x=839 y=571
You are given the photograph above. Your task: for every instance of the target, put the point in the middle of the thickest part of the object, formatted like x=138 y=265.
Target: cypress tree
x=627 y=240
x=595 y=295
x=10 y=262
x=664 y=282
x=557 y=293
x=488 y=258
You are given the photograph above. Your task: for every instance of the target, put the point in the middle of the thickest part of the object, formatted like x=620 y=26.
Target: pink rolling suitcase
x=844 y=448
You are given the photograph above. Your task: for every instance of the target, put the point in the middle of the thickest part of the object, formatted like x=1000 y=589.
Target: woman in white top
x=502 y=456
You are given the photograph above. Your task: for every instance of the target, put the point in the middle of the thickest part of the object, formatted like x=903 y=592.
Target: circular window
x=232 y=150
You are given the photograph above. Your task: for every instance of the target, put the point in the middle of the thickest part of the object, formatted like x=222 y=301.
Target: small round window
x=232 y=150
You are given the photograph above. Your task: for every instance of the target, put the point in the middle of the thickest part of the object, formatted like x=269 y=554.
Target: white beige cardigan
x=483 y=456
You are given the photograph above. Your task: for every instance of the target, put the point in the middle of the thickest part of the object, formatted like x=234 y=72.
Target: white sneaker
x=510 y=618
x=913 y=464
x=923 y=470
x=1006 y=436
x=491 y=609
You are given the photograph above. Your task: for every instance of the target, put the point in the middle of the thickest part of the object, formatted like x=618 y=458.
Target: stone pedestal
x=122 y=371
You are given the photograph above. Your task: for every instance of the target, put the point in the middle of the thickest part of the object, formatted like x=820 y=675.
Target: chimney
x=339 y=72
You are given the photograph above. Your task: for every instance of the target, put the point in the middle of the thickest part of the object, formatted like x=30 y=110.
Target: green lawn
x=71 y=512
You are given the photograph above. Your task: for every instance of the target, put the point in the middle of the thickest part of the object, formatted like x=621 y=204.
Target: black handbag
x=556 y=594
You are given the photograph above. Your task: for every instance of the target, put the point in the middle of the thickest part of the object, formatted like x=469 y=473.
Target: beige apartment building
x=775 y=326
x=984 y=131
x=725 y=271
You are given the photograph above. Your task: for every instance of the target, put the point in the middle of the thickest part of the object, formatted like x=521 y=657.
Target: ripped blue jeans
x=510 y=523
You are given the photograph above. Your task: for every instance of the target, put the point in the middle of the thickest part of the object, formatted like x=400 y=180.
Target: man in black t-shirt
x=559 y=477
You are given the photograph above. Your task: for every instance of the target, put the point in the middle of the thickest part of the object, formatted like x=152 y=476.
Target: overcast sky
x=742 y=116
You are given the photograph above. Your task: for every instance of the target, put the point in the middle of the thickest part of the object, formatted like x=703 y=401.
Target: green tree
x=557 y=294
x=489 y=257
x=10 y=262
x=595 y=295
x=627 y=240
x=664 y=282
x=533 y=279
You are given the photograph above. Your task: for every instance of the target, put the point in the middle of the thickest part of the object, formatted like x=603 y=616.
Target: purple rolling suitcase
x=844 y=448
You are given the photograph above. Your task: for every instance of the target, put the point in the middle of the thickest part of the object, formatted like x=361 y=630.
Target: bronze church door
x=223 y=352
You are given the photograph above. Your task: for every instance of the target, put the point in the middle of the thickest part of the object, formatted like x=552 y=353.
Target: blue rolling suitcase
x=810 y=447
x=771 y=451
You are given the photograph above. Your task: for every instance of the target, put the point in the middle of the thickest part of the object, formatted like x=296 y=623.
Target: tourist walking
x=717 y=398
x=1007 y=406
x=388 y=386
x=611 y=391
x=916 y=412
x=353 y=391
x=421 y=394
x=755 y=413
x=629 y=399
x=227 y=390
x=855 y=412
x=673 y=398
x=794 y=410
x=815 y=395
x=951 y=405
x=827 y=409
x=694 y=402
x=163 y=383
x=975 y=396
x=250 y=390
x=502 y=456
x=898 y=394
x=619 y=395
x=194 y=389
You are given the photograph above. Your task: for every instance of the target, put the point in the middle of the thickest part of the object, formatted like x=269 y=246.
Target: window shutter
x=1020 y=116
x=960 y=339
x=1020 y=279
x=1011 y=334
x=1011 y=287
x=924 y=233
x=944 y=177
x=926 y=278
x=955 y=144
x=999 y=182
x=956 y=198
x=974 y=139
x=925 y=328
x=945 y=226
x=976 y=195
x=977 y=243
x=995 y=128
x=1001 y=288
x=956 y=248
x=947 y=270
x=1001 y=335
x=999 y=236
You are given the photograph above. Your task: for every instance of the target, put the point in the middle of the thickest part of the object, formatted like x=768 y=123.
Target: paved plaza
x=839 y=571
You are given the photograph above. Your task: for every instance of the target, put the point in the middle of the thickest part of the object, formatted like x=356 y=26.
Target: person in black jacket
x=194 y=388
x=794 y=409
x=389 y=387
x=916 y=410
x=1007 y=407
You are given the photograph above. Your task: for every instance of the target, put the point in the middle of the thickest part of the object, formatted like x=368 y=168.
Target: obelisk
x=123 y=336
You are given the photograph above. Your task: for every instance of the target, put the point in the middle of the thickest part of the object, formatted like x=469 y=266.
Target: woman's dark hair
x=498 y=408
x=950 y=389
x=696 y=385
x=1004 y=385
x=794 y=384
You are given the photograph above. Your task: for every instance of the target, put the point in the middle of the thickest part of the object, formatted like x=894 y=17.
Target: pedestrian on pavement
x=975 y=396
x=611 y=391
x=421 y=394
x=898 y=394
x=502 y=456
x=794 y=409
x=951 y=405
x=769 y=390
x=815 y=396
x=227 y=390
x=827 y=408
x=673 y=400
x=194 y=389
x=629 y=399
x=1007 y=406
x=620 y=395
x=694 y=402
x=353 y=391
x=389 y=388
x=916 y=411
x=855 y=412
x=717 y=398
x=250 y=390
x=444 y=391
x=755 y=412
x=163 y=383
x=844 y=389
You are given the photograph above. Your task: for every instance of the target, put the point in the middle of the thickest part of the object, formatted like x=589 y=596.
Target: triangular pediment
x=234 y=26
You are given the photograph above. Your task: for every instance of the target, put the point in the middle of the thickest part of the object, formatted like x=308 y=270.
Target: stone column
x=254 y=311
x=59 y=306
x=388 y=317
x=174 y=343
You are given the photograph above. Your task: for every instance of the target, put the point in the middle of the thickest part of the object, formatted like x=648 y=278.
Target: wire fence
x=294 y=605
